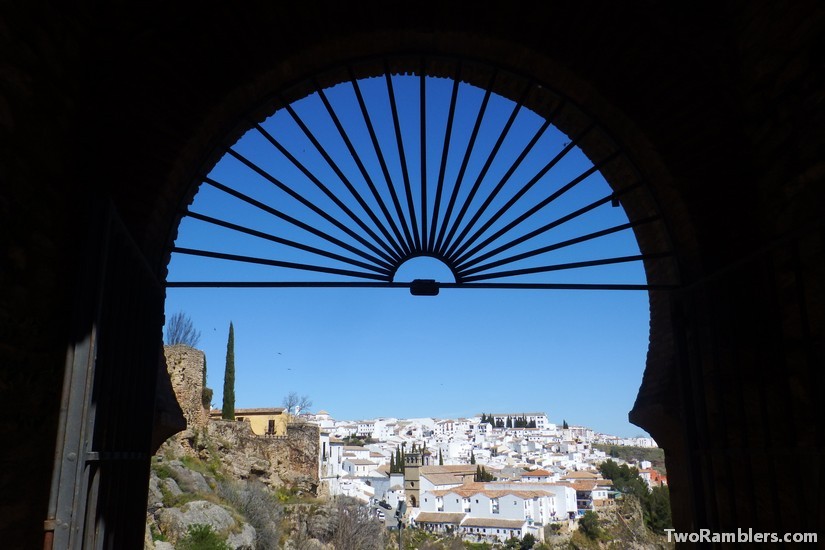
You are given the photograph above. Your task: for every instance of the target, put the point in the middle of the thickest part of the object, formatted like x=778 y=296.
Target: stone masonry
x=185 y=365
x=290 y=460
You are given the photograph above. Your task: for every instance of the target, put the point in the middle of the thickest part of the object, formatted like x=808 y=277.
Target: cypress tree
x=440 y=458
x=228 y=410
x=206 y=393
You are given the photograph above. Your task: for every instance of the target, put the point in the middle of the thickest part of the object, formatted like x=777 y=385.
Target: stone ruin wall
x=185 y=365
x=290 y=460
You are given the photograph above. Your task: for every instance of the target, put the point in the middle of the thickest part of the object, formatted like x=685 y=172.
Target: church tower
x=412 y=478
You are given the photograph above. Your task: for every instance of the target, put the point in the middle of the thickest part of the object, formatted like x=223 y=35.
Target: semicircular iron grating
x=344 y=185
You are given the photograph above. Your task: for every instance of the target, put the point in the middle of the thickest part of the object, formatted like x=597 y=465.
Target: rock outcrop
x=290 y=461
x=198 y=474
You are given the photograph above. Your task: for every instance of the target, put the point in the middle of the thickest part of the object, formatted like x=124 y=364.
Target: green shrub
x=589 y=525
x=163 y=471
x=201 y=537
x=259 y=506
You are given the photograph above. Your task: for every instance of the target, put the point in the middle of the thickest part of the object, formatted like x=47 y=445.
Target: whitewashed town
x=491 y=477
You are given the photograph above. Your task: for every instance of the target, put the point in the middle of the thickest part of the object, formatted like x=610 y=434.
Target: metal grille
x=348 y=182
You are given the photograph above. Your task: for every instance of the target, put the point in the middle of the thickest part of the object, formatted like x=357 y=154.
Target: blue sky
x=363 y=353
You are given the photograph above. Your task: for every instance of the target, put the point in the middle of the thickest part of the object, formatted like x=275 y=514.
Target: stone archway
x=719 y=107
x=655 y=408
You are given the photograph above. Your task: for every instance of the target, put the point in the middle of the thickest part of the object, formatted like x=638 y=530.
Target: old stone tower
x=412 y=478
x=186 y=365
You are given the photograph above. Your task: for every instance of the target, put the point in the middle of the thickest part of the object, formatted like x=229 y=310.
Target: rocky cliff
x=286 y=461
x=220 y=474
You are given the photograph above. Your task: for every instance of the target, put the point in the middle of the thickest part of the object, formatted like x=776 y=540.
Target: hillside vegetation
x=197 y=504
x=654 y=455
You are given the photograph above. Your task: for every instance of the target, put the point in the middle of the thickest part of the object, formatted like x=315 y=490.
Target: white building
x=322 y=419
x=332 y=451
x=538 y=476
x=365 y=428
x=491 y=511
x=539 y=418
x=458 y=451
x=444 y=428
x=359 y=467
x=566 y=504
x=434 y=478
x=354 y=451
x=356 y=488
x=495 y=529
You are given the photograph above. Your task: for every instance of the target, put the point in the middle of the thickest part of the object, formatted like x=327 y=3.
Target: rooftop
x=247 y=412
x=439 y=517
x=494 y=522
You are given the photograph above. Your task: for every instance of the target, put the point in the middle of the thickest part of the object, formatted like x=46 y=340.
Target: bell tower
x=412 y=477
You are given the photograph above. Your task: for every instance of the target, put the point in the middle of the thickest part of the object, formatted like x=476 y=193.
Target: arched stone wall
x=718 y=105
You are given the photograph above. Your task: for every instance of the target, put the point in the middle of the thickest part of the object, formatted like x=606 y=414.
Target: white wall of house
x=565 y=496
x=357 y=489
x=444 y=428
x=394 y=496
x=459 y=451
x=426 y=484
x=541 y=509
x=380 y=484
x=599 y=494
x=489 y=533
x=531 y=478
x=352 y=451
x=386 y=431
x=482 y=455
x=428 y=502
x=357 y=467
x=511 y=507
x=332 y=468
x=365 y=429
x=345 y=430
x=453 y=503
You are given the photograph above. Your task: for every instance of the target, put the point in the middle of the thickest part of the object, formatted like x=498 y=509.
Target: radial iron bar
x=461 y=218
